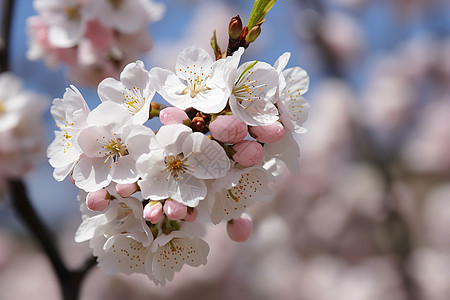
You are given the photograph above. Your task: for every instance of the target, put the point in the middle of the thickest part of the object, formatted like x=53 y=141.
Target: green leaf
x=259 y=11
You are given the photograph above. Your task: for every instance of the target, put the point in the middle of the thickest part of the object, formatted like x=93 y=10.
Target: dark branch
x=7 y=11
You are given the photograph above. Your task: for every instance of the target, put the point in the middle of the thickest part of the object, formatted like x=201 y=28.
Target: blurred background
x=367 y=218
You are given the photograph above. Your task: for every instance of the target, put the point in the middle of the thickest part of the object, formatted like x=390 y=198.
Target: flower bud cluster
x=220 y=146
x=22 y=140
x=95 y=38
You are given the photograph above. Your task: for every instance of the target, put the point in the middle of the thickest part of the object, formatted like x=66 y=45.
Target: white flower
x=22 y=140
x=199 y=81
x=66 y=19
x=253 y=94
x=11 y=105
x=70 y=114
x=170 y=252
x=128 y=16
x=133 y=91
x=230 y=196
x=294 y=83
x=111 y=144
x=179 y=163
x=119 y=236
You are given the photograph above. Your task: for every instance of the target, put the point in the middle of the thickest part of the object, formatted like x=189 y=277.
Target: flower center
x=176 y=166
x=115 y=150
x=247 y=90
x=116 y=3
x=2 y=107
x=133 y=100
x=73 y=12
x=195 y=86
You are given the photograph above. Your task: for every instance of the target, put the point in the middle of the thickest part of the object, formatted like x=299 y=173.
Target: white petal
x=153 y=183
x=123 y=255
x=297 y=81
x=87 y=228
x=92 y=174
x=125 y=170
x=109 y=113
x=139 y=139
x=192 y=59
x=169 y=86
x=257 y=114
x=208 y=158
x=190 y=191
x=171 y=257
x=63 y=150
x=282 y=61
x=253 y=186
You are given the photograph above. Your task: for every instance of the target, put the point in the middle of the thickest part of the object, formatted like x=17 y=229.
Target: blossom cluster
x=21 y=131
x=146 y=197
x=95 y=39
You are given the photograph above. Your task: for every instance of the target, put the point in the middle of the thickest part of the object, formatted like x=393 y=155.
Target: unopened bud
x=248 y=153
x=228 y=129
x=268 y=134
x=98 y=200
x=239 y=229
x=126 y=189
x=191 y=215
x=172 y=115
x=175 y=210
x=153 y=212
x=253 y=34
x=235 y=28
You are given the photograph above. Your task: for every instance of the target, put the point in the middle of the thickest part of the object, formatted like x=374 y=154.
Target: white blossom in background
x=128 y=16
x=22 y=140
x=66 y=20
x=95 y=39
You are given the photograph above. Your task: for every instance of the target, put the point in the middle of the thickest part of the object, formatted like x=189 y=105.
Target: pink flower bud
x=153 y=212
x=126 y=189
x=240 y=229
x=268 y=134
x=228 y=129
x=248 y=153
x=98 y=200
x=191 y=215
x=175 y=210
x=172 y=115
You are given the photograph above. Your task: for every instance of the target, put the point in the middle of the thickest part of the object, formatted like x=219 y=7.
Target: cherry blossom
x=66 y=19
x=252 y=98
x=178 y=165
x=70 y=114
x=111 y=144
x=232 y=195
x=294 y=83
x=21 y=129
x=199 y=82
x=169 y=252
x=133 y=91
x=128 y=16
